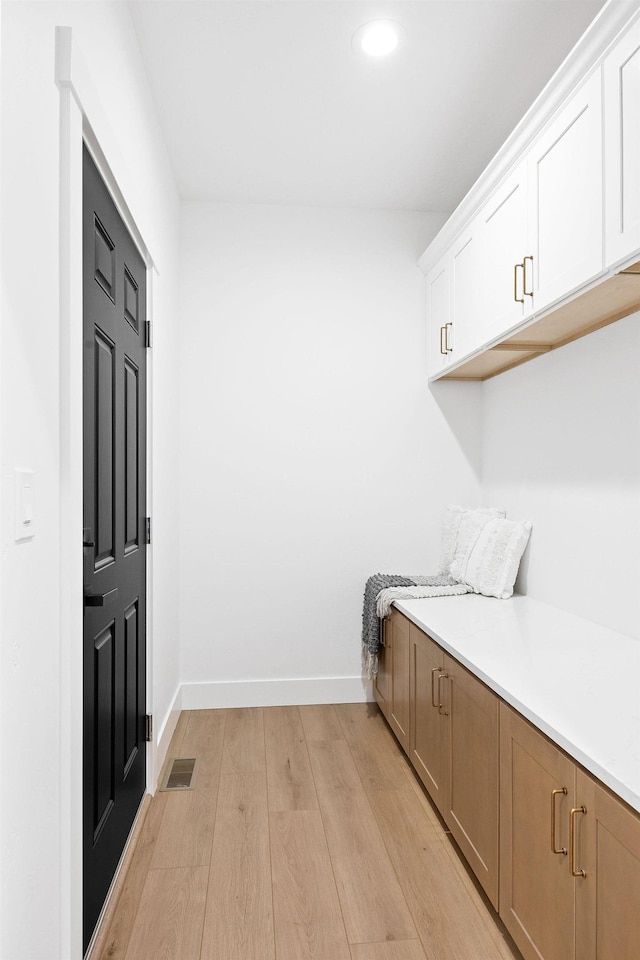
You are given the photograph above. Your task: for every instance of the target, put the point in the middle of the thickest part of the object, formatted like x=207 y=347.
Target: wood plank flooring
x=307 y=837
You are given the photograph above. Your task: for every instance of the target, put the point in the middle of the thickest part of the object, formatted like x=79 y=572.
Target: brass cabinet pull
x=443 y=713
x=447 y=327
x=443 y=349
x=572 y=841
x=527 y=293
x=434 y=670
x=554 y=794
x=515 y=282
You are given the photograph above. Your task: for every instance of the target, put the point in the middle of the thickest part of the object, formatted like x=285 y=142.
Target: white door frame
x=82 y=120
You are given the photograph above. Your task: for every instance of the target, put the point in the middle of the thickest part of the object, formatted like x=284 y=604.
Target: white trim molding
x=82 y=120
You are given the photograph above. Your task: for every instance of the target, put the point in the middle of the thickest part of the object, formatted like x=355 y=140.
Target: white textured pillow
x=489 y=563
x=459 y=526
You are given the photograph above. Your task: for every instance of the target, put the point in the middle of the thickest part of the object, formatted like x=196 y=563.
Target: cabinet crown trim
x=586 y=56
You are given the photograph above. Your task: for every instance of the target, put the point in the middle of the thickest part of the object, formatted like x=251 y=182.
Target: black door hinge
x=148 y=727
x=147 y=530
x=147 y=333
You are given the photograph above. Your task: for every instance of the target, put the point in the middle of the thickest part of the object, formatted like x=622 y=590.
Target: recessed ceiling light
x=378 y=38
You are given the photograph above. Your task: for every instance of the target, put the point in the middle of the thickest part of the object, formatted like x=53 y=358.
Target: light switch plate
x=25 y=523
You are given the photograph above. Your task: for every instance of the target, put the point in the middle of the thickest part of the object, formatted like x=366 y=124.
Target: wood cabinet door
x=622 y=147
x=473 y=793
x=428 y=742
x=536 y=888
x=608 y=897
x=502 y=231
x=439 y=316
x=397 y=637
x=565 y=191
x=382 y=682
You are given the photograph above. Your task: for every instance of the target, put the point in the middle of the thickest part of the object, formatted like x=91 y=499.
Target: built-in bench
x=523 y=723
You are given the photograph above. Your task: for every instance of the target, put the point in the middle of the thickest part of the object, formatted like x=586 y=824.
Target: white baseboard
x=274 y=693
x=164 y=738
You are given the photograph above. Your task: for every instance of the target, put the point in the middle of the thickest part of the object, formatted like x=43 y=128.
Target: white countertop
x=576 y=681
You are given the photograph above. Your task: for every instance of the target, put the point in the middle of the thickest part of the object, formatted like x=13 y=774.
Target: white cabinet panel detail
x=622 y=147
x=439 y=313
x=566 y=198
x=464 y=293
x=503 y=240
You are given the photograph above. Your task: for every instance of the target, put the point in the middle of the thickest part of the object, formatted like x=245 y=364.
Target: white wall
x=34 y=865
x=313 y=453
x=561 y=446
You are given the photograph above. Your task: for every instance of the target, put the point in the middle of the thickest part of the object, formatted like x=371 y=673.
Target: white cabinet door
x=566 y=198
x=622 y=147
x=439 y=316
x=502 y=233
x=464 y=292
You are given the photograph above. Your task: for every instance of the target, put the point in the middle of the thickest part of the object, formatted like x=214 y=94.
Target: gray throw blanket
x=395 y=587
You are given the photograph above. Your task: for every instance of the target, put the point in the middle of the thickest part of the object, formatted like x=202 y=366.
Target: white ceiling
x=265 y=100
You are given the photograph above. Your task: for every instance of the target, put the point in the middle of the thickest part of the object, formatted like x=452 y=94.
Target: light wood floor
x=307 y=837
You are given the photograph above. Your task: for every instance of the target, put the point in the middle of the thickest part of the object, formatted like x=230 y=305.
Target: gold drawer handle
x=527 y=293
x=434 y=670
x=515 y=282
x=447 y=327
x=572 y=841
x=443 y=713
x=554 y=794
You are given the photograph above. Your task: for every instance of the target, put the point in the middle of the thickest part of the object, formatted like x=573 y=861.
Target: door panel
x=104 y=505
x=464 y=293
x=131 y=457
x=399 y=706
x=382 y=682
x=104 y=740
x=439 y=314
x=132 y=706
x=114 y=466
x=607 y=898
x=472 y=797
x=566 y=197
x=429 y=741
x=622 y=146
x=502 y=226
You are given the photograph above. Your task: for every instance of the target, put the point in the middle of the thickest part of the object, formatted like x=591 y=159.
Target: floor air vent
x=179 y=774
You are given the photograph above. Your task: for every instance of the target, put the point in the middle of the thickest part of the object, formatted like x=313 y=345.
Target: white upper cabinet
x=439 y=313
x=545 y=248
x=566 y=198
x=622 y=147
x=452 y=303
x=541 y=231
x=504 y=245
